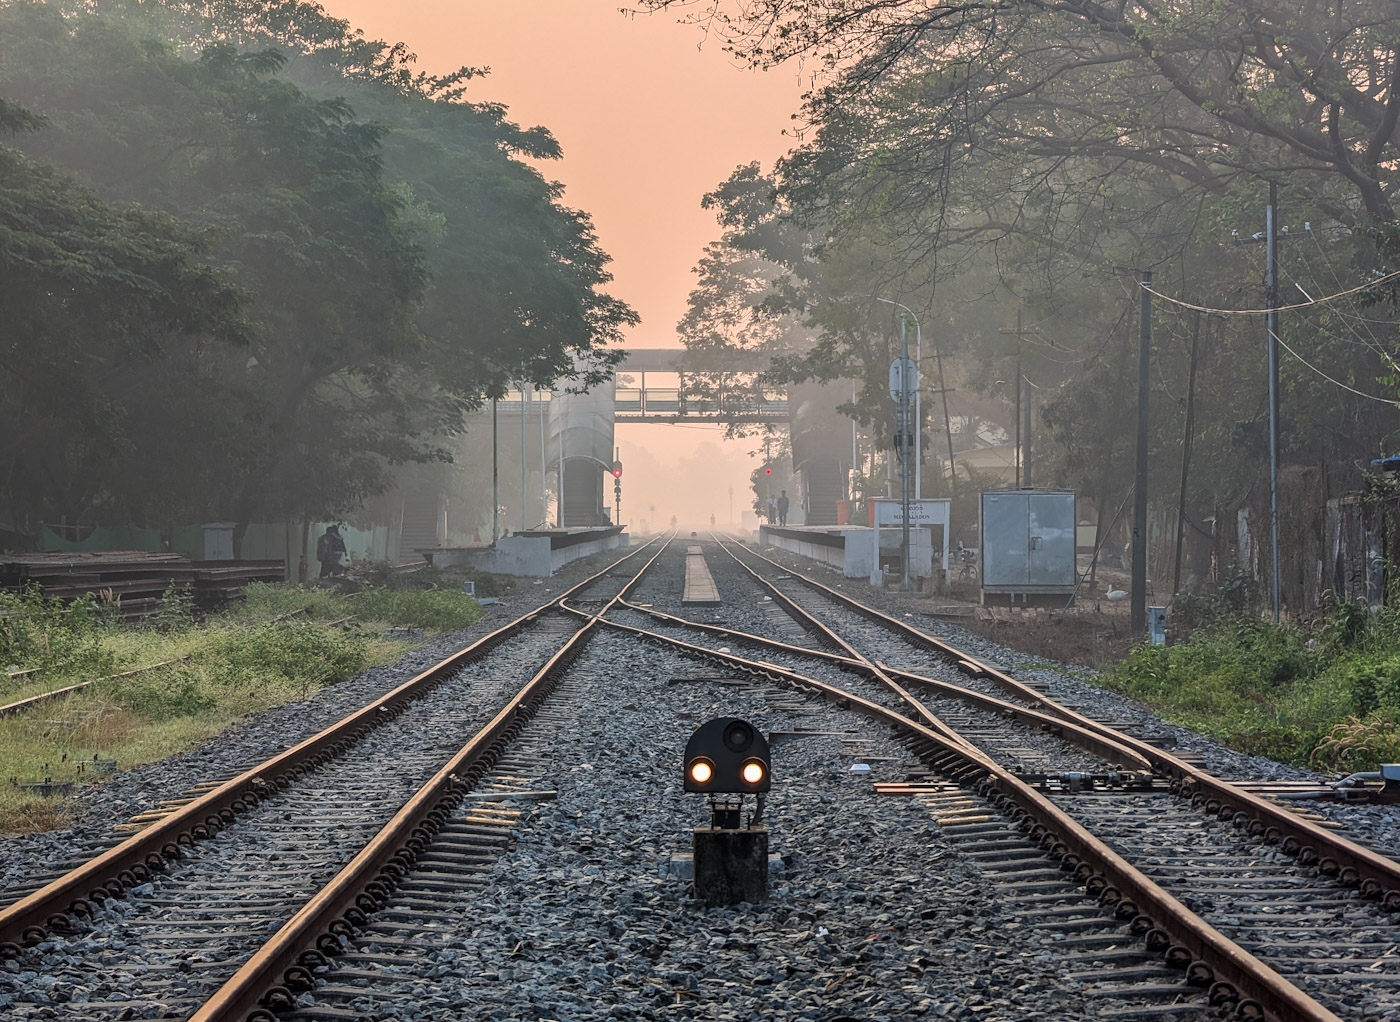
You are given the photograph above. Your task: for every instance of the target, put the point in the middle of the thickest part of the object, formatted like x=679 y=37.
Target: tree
x=93 y=297
x=337 y=227
x=1201 y=90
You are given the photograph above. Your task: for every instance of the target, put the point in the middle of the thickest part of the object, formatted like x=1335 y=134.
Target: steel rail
x=1090 y=741
x=51 y=908
x=827 y=635
x=1376 y=876
x=283 y=964
x=1236 y=979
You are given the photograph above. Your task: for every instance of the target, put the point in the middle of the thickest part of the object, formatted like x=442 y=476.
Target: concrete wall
x=531 y=555
x=853 y=554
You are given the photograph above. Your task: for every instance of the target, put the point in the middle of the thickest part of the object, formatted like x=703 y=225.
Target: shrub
x=162 y=695
x=303 y=653
x=52 y=635
x=439 y=610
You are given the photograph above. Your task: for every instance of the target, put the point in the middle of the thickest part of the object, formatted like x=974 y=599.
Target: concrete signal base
x=731 y=866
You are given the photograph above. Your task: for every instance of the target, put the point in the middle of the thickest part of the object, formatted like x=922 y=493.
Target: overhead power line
x=1281 y=308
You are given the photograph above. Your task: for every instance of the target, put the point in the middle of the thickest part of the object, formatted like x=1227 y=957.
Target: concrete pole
x=1271 y=232
x=495 y=478
x=544 y=468
x=918 y=411
x=1019 y=442
x=904 y=382
x=1138 y=626
x=524 y=455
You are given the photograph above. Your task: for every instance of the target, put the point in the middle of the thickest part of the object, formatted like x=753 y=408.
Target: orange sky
x=649 y=119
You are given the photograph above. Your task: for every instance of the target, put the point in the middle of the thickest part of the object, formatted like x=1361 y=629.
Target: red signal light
x=617 y=473
x=768 y=471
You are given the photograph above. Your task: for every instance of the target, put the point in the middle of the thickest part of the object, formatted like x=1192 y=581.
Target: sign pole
x=904 y=445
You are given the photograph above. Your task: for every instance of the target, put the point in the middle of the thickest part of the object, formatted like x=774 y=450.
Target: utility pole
x=1023 y=467
x=495 y=478
x=1186 y=452
x=524 y=454
x=902 y=384
x=544 y=468
x=617 y=485
x=1025 y=385
x=1270 y=239
x=1271 y=321
x=1138 y=625
x=918 y=368
x=561 y=474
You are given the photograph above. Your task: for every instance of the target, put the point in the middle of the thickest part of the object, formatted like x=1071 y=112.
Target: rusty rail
x=1375 y=875
x=267 y=981
x=283 y=965
x=132 y=862
x=1108 y=749
x=1235 y=977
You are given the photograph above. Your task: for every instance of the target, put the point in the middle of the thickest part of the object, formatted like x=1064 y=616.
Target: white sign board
x=922 y=513
x=927 y=511
x=904 y=377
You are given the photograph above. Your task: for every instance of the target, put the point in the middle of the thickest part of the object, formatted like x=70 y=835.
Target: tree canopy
x=969 y=159
x=387 y=256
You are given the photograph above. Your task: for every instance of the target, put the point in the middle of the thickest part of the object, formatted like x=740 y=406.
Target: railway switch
x=726 y=759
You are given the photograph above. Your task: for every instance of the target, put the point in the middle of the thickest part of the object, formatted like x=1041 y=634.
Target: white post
x=876 y=575
x=544 y=469
x=918 y=418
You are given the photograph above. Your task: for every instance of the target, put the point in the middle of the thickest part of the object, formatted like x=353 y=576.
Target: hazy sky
x=650 y=116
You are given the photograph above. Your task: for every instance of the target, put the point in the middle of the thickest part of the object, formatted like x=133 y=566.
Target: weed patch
x=1327 y=695
x=277 y=647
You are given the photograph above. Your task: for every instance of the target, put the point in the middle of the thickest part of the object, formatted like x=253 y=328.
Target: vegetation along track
x=240 y=858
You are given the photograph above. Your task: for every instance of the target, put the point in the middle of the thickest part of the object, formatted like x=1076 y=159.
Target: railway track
x=234 y=862
x=1166 y=888
x=1314 y=905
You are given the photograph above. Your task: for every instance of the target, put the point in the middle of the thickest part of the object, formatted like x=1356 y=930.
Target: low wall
x=849 y=547
x=531 y=554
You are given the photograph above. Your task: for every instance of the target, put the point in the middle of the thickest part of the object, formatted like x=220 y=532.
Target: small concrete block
x=731 y=866
x=682 y=866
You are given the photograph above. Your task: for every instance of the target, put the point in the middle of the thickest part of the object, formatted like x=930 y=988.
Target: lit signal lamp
x=617 y=469
x=768 y=471
x=726 y=759
x=728 y=756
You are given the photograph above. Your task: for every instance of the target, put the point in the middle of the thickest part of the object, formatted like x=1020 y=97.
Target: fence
x=1329 y=547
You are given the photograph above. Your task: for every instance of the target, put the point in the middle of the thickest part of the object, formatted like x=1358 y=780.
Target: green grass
x=282 y=645
x=1328 y=696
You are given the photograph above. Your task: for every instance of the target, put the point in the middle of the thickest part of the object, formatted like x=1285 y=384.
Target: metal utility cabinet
x=1028 y=540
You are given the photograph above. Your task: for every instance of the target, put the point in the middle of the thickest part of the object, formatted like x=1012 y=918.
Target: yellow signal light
x=701 y=771
x=752 y=772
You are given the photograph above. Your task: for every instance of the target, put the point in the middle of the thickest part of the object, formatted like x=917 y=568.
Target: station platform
x=535 y=554
x=850 y=547
x=700 y=589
